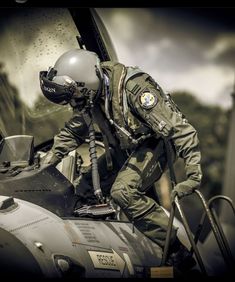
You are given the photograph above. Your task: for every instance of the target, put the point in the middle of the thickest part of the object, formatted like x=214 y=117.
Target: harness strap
x=131 y=73
x=170 y=162
x=107 y=135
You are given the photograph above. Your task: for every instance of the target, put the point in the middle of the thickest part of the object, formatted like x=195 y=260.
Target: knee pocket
x=120 y=195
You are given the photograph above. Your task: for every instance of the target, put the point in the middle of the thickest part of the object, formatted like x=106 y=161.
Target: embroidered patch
x=147 y=100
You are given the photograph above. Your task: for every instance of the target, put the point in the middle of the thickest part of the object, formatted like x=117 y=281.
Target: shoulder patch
x=147 y=99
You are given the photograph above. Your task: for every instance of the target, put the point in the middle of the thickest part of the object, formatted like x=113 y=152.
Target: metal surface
x=94 y=248
x=93 y=33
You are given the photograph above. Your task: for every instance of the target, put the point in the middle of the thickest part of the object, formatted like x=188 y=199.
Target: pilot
x=138 y=120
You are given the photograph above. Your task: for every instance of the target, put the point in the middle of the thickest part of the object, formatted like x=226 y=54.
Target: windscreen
x=31 y=40
x=17 y=149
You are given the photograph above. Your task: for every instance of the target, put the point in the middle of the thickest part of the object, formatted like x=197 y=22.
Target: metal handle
x=216 y=227
x=175 y=203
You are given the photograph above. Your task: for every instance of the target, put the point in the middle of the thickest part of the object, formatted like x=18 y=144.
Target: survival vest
x=128 y=127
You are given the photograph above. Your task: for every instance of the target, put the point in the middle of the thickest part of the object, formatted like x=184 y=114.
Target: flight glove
x=184 y=188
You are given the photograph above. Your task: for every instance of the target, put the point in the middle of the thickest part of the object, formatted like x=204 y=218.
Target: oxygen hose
x=93 y=157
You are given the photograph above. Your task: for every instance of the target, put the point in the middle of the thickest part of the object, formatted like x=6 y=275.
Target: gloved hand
x=184 y=188
x=50 y=158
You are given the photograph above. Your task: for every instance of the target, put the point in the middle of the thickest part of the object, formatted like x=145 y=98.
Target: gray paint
x=45 y=236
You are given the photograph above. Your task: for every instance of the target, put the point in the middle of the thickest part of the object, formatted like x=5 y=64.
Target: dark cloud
x=180 y=57
x=227 y=57
x=213 y=18
x=192 y=32
x=170 y=56
x=183 y=25
x=204 y=26
x=224 y=97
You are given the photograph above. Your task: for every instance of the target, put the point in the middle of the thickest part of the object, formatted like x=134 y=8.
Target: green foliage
x=212 y=124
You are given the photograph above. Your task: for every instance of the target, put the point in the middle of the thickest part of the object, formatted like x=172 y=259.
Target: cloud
x=209 y=83
x=169 y=41
x=227 y=58
x=223 y=51
x=180 y=50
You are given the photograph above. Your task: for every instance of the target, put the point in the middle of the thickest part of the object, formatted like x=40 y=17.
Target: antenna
x=80 y=42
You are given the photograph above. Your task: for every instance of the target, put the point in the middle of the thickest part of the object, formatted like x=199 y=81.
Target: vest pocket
x=159 y=123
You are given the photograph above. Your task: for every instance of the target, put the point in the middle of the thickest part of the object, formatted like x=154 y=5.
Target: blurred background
x=190 y=52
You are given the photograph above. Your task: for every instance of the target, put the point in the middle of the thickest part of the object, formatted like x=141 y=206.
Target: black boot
x=180 y=257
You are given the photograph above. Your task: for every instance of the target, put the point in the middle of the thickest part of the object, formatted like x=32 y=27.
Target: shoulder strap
x=132 y=72
x=170 y=162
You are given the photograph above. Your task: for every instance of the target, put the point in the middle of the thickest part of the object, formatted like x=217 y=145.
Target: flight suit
x=138 y=104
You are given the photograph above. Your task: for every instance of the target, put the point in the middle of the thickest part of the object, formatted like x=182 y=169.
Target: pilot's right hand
x=50 y=158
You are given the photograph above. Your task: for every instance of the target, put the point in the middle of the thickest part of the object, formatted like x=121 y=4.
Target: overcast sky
x=183 y=49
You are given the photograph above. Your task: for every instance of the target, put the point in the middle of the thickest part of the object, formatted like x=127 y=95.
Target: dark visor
x=59 y=94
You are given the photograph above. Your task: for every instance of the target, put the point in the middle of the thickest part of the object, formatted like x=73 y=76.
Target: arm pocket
x=159 y=124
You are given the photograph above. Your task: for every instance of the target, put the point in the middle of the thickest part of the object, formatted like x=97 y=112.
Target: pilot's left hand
x=184 y=188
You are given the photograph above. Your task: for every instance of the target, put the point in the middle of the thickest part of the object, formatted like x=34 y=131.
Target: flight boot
x=180 y=257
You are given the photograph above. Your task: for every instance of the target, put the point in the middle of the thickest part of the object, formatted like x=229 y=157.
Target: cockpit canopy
x=31 y=39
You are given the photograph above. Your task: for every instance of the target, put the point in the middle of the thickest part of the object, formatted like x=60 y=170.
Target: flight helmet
x=75 y=78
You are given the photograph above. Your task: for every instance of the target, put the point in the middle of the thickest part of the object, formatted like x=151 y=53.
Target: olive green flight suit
x=139 y=105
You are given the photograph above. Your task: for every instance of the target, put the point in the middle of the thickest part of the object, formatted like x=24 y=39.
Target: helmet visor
x=59 y=94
